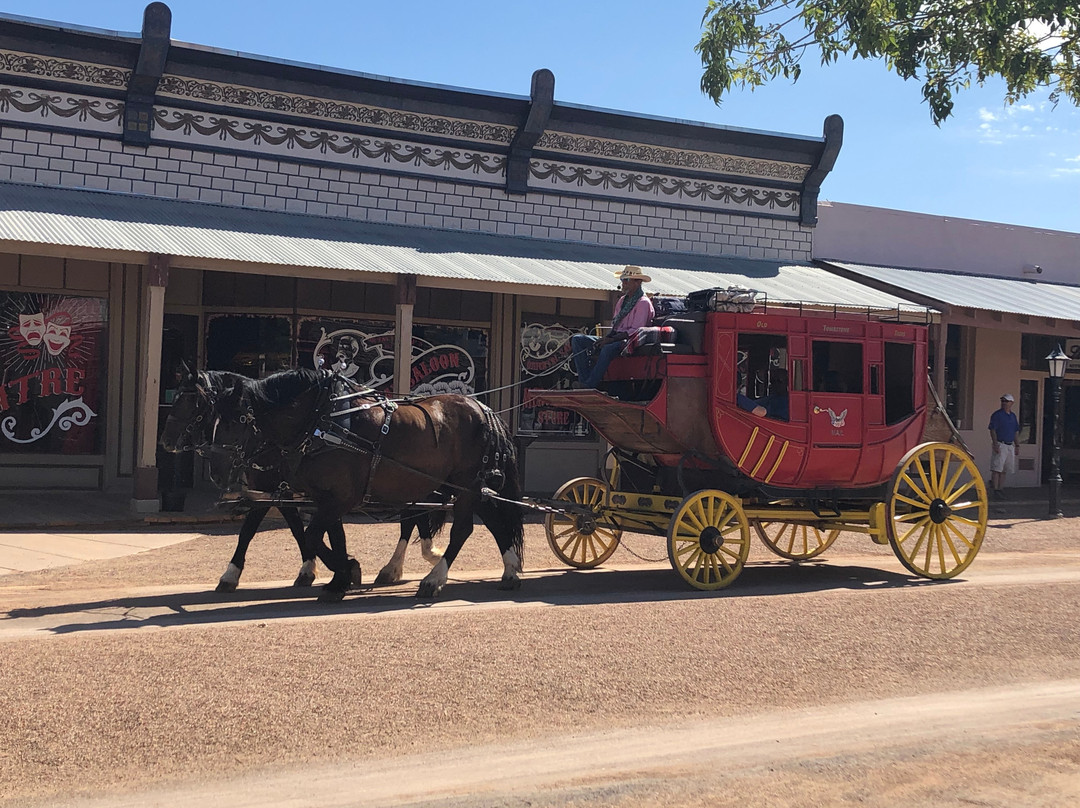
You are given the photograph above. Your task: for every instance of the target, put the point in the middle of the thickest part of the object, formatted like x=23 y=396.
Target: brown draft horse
x=377 y=452
x=189 y=427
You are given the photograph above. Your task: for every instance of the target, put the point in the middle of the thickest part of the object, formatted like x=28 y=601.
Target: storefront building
x=1007 y=296
x=163 y=203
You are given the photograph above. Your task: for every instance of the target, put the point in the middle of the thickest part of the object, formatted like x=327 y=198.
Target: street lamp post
x=1057 y=362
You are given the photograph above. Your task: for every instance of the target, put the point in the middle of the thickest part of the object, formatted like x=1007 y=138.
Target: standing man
x=633 y=310
x=1004 y=442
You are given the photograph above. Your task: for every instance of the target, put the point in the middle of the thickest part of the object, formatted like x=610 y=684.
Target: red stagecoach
x=792 y=421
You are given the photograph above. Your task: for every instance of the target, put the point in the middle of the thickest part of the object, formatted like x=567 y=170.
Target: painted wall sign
x=52 y=350
x=546 y=365
x=368 y=358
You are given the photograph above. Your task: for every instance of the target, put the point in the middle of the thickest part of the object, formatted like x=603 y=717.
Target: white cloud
x=986 y=115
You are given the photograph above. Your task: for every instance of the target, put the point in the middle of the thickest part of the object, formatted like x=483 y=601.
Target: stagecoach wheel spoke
x=794 y=541
x=586 y=535
x=932 y=533
x=709 y=539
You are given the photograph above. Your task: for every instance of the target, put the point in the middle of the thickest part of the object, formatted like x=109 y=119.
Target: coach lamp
x=1058 y=361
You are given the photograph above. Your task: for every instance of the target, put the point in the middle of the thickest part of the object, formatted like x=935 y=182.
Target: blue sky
x=1019 y=164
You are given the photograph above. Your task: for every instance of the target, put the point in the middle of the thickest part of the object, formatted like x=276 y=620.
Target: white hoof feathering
x=231 y=576
x=394 y=570
x=435 y=580
x=306 y=576
x=511 y=565
x=431 y=553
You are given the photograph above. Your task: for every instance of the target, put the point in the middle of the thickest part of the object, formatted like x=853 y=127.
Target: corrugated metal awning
x=127 y=227
x=947 y=290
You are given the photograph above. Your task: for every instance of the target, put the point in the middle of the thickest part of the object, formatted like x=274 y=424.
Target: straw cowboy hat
x=633 y=273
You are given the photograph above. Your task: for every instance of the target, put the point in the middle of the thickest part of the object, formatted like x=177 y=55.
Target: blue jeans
x=591 y=368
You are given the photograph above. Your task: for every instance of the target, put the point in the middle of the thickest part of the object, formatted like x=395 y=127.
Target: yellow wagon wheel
x=937 y=510
x=584 y=537
x=793 y=540
x=709 y=539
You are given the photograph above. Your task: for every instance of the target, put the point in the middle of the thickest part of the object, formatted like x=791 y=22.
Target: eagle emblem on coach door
x=837 y=420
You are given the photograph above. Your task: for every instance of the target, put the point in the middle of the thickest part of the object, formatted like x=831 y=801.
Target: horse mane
x=280 y=388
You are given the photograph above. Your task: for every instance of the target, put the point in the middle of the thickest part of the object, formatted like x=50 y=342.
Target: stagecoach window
x=763 y=375
x=899 y=381
x=838 y=367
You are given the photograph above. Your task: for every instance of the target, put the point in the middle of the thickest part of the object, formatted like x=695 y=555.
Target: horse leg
x=394 y=570
x=346 y=569
x=306 y=576
x=231 y=577
x=501 y=524
x=325 y=555
x=429 y=526
x=462 y=528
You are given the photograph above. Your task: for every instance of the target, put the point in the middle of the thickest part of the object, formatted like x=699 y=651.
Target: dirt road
x=838 y=683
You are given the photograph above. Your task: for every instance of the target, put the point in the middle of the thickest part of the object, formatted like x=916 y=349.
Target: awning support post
x=403 y=325
x=145 y=497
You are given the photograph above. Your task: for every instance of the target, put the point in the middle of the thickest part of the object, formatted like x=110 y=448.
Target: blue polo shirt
x=1005 y=425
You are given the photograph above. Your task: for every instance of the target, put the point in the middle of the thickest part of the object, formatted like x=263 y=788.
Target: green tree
x=945 y=44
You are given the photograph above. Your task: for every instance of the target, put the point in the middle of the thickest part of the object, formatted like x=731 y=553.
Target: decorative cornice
x=380 y=117
x=676 y=158
x=323 y=142
x=29 y=64
x=79 y=107
x=667 y=189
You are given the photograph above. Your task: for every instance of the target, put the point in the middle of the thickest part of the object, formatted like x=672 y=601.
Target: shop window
x=1034 y=348
x=53 y=349
x=899 y=381
x=445 y=359
x=546 y=364
x=837 y=367
x=1026 y=414
x=251 y=345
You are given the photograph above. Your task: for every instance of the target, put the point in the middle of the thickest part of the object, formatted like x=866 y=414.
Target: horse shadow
x=552 y=587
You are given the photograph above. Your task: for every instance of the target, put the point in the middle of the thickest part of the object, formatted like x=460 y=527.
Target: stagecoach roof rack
x=746 y=300
x=806 y=308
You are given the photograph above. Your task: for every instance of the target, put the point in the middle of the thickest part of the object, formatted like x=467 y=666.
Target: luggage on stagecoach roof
x=730 y=298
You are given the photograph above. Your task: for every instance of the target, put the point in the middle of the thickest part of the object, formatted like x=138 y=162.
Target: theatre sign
x=52 y=350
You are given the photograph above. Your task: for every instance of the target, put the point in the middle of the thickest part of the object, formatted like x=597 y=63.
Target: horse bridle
x=207 y=405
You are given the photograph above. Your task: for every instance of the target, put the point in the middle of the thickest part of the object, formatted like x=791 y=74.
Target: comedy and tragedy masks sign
x=52 y=350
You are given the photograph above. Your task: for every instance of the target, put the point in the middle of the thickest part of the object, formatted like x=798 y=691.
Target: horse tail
x=501 y=473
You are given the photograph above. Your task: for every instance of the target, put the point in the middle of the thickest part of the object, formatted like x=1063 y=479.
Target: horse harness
x=327 y=433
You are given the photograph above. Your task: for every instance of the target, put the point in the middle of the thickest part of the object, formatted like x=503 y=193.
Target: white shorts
x=1004 y=458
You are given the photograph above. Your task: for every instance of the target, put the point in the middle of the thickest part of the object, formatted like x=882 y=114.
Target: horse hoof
x=510 y=584
x=304 y=579
x=385 y=578
x=225 y=586
x=331 y=595
x=355 y=578
x=428 y=591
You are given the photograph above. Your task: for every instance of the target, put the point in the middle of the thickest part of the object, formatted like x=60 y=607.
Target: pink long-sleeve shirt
x=641 y=315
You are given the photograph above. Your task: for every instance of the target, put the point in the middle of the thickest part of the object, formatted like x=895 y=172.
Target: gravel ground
x=98 y=711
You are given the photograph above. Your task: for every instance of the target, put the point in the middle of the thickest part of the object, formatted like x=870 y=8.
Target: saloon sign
x=369 y=360
x=52 y=351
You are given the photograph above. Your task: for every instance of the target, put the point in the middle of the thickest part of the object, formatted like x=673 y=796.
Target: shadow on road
x=551 y=587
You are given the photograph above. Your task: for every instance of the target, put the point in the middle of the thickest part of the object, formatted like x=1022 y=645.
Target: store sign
x=1072 y=350
x=546 y=365
x=545 y=349
x=369 y=359
x=52 y=348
